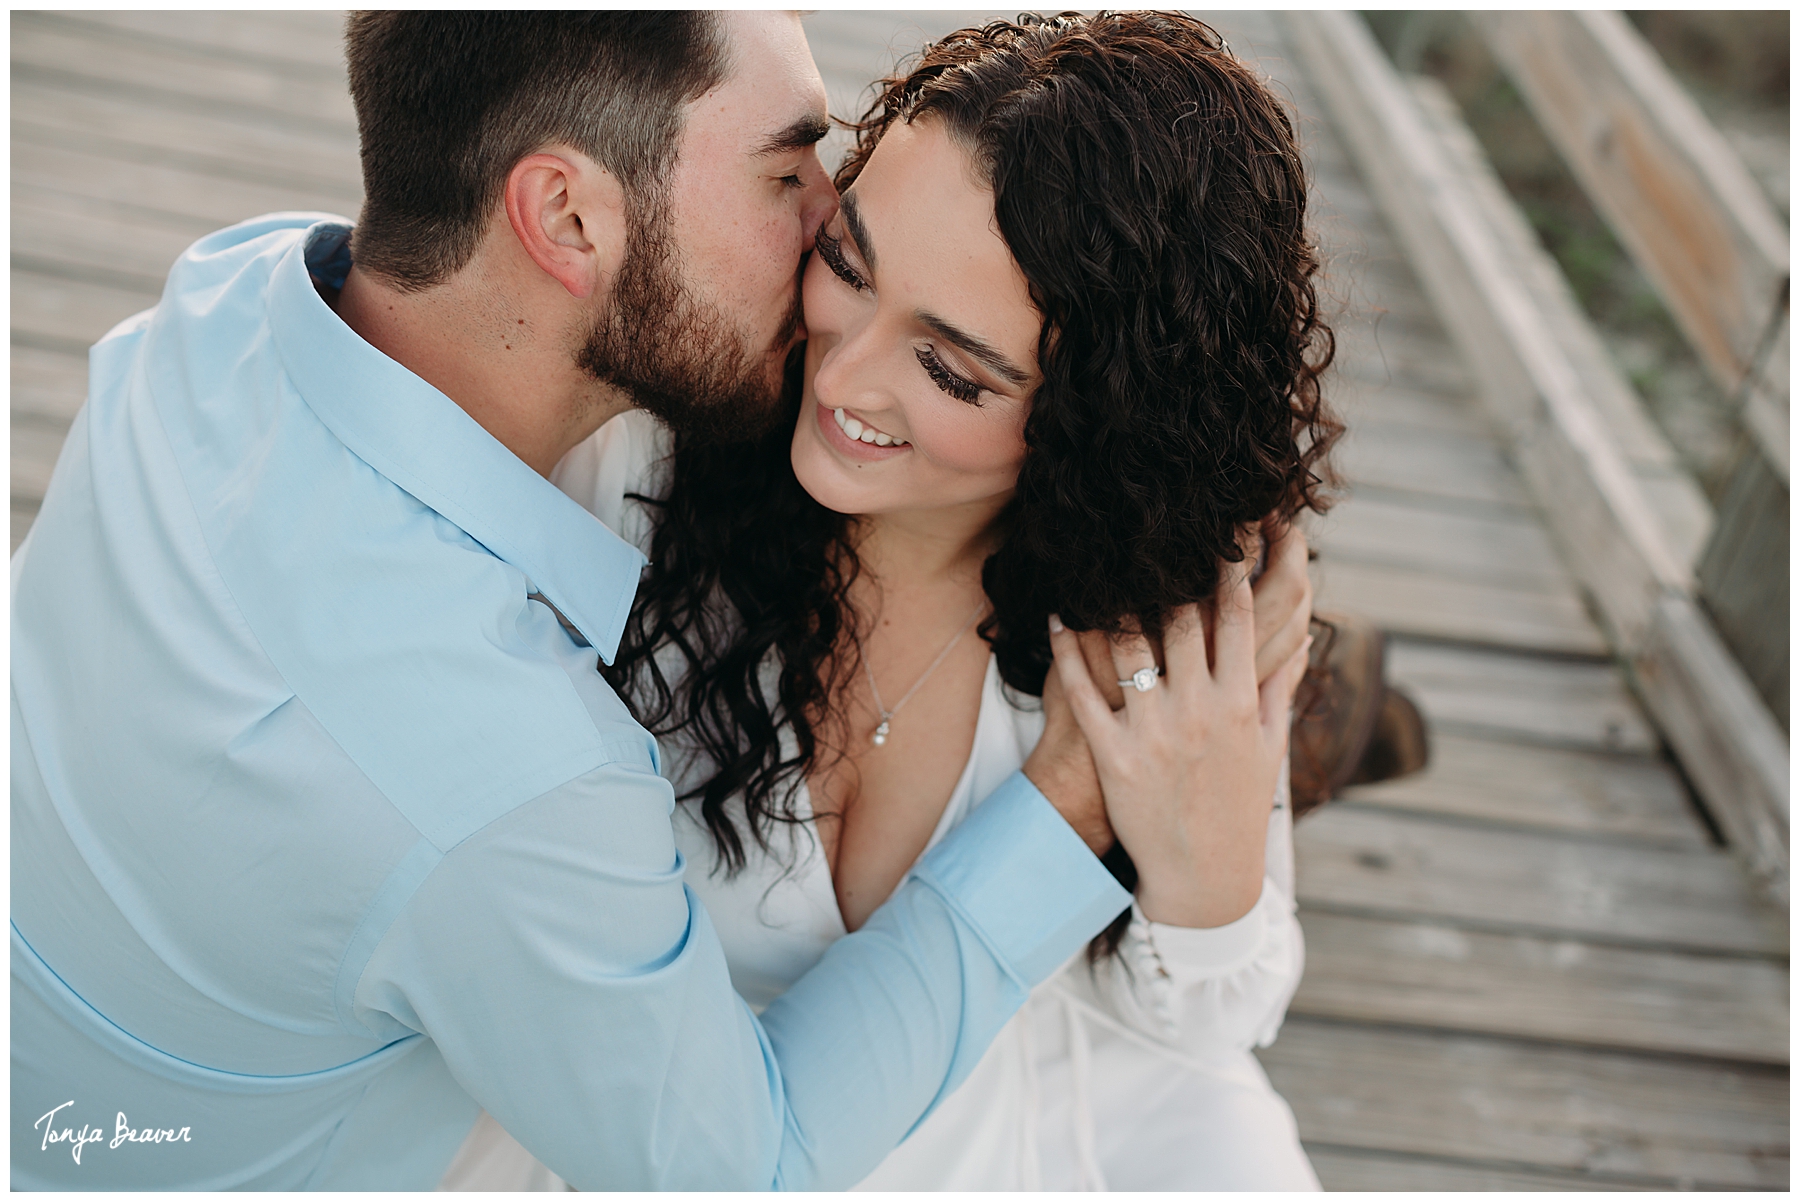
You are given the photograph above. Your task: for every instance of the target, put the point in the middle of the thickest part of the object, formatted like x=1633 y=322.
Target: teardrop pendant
x=881 y=733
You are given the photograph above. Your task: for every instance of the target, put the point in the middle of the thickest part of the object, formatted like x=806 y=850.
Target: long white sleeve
x=1202 y=991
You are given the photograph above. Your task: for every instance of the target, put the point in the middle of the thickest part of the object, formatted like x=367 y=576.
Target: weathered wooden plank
x=1487 y=309
x=1728 y=742
x=1682 y=513
x=1358 y=1171
x=1668 y=183
x=1371 y=337
x=94 y=239
x=1562 y=990
x=1432 y=463
x=1400 y=866
x=276 y=39
x=1473 y=543
x=47 y=385
x=1383 y=355
x=1765 y=393
x=1744 y=574
x=1402 y=315
x=174 y=72
x=336 y=194
x=1725 y=735
x=1520 y=698
x=226 y=142
x=1632 y=797
x=180 y=194
x=1403 y=404
x=35 y=446
x=1382 y=289
x=59 y=310
x=23 y=514
x=1595 y=429
x=1618 y=1116
x=1427 y=605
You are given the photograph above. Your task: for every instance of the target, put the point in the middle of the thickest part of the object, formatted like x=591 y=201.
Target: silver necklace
x=887 y=715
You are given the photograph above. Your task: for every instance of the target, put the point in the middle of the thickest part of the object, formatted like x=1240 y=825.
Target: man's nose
x=818 y=202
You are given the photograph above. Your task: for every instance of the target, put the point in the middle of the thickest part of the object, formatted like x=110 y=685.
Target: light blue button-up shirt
x=325 y=834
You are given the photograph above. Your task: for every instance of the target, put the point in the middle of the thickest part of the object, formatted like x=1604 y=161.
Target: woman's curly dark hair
x=1149 y=187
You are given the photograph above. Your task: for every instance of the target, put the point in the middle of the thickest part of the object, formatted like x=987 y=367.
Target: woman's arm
x=1204 y=990
x=1213 y=952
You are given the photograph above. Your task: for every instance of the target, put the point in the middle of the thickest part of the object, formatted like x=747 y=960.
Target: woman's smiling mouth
x=861 y=432
x=854 y=439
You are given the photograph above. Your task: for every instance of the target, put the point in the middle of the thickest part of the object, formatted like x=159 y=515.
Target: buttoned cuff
x=1196 y=953
x=1025 y=880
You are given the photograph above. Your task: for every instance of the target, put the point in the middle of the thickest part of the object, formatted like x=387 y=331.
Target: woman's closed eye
x=832 y=251
x=958 y=386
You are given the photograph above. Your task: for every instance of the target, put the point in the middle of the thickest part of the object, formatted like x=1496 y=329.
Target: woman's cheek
x=971 y=442
x=819 y=299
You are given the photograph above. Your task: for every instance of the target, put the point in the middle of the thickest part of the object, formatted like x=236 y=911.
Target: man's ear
x=568 y=213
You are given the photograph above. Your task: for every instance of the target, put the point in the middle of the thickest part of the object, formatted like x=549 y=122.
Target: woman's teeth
x=855 y=429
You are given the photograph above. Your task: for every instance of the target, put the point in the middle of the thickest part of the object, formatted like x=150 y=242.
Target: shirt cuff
x=1025 y=880
x=1193 y=953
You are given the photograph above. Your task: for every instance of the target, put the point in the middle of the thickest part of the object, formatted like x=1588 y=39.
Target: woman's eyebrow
x=859 y=233
x=978 y=347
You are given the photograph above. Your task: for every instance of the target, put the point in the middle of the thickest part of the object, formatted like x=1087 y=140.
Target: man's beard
x=676 y=356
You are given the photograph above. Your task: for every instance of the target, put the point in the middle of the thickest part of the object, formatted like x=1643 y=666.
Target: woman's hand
x=1189 y=767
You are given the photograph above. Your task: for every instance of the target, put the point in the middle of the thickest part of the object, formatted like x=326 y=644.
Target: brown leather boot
x=1349 y=726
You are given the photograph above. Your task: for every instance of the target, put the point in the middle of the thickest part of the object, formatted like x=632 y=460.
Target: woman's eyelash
x=832 y=251
x=958 y=387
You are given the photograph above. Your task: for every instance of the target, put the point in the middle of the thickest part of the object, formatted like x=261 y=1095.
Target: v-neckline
x=947 y=818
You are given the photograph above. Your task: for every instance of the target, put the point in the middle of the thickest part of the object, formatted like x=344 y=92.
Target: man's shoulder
x=203 y=281
x=412 y=643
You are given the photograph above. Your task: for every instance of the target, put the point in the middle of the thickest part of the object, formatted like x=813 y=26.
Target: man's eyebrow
x=804 y=132
x=978 y=347
x=859 y=233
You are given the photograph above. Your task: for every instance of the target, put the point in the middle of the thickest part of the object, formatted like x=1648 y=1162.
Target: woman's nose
x=849 y=375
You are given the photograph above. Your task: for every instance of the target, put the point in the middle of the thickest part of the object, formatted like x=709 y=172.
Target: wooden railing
x=1628 y=521
x=1672 y=190
x=1698 y=226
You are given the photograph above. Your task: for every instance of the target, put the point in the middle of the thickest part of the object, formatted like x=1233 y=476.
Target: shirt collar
x=427 y=445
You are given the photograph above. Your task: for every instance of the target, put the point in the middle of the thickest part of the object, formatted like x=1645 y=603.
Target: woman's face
x=921 y=336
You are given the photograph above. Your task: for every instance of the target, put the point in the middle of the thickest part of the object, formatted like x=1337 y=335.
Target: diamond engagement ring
x=1143 y=680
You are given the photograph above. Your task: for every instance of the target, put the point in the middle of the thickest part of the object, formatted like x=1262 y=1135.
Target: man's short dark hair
x=449 y=102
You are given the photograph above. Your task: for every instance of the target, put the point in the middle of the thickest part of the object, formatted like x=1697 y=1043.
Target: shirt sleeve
x=576 y=989
x=1207 y=990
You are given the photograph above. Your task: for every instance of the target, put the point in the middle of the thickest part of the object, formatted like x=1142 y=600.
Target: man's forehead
x=772 y=41
x=771 y=81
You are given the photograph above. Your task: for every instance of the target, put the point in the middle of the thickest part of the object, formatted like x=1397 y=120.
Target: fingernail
x=1056 y=626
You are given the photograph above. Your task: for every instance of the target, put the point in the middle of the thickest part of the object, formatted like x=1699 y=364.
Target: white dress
x=1133 y=1074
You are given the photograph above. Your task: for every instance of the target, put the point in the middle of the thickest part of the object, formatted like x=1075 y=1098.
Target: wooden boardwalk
x=1531 y=967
